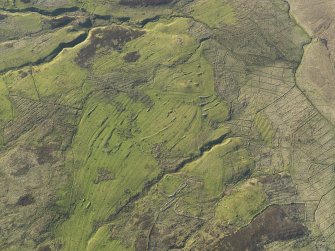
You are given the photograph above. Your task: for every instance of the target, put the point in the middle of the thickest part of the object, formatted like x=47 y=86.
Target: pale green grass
x=100 y=7
x=101 y=241
x=5 y=104
x=120 y=133
x=265 y=128
x=48 y=5
x=19 y=25
x=30 y=50
x=21 y=83
x=100 y=143
x=135 y=132
x=60 y=80
x=112 y=7
x=163 y=44
x=213 y=13
x=66 y=77
x=239 y=207
x=192 y=191
x=220 y=166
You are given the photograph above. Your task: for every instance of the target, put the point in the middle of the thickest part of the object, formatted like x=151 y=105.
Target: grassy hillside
x=158 y=125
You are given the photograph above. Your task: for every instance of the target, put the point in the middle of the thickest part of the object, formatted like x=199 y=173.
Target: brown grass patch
x=44 y=154
x=2 y=17
x=131 y=56
x=103 y=175
x=22 y=171
x=26 y=200
x=44 y=248
x=114 y=38
x=274 y=224
x=60 y=22
x=144 y=2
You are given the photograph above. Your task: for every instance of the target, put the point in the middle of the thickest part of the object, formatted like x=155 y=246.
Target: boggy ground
x=172 y=125
x=273 y=224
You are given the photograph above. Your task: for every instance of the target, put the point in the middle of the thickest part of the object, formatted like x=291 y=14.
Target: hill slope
x=166 y=125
